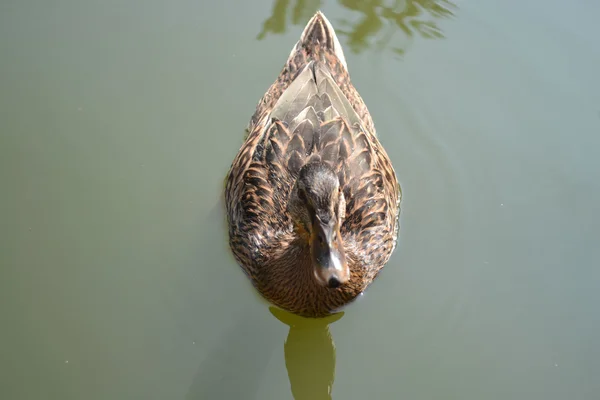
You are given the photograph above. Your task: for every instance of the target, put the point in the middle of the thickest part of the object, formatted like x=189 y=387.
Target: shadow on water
x=309 y=355
x=235 y=368
x=376 y=24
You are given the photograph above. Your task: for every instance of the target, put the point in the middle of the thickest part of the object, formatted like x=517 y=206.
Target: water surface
x=119 y=120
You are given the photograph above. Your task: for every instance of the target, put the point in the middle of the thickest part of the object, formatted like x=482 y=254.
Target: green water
x=119 y=120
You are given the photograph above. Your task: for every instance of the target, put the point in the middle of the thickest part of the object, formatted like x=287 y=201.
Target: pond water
x=119 y=120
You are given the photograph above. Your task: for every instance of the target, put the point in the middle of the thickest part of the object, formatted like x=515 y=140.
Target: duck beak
x=329 y=257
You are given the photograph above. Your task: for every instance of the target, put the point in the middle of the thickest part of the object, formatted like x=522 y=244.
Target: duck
x=312 y=199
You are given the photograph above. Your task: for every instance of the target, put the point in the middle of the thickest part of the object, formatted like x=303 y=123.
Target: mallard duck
x=312 y=198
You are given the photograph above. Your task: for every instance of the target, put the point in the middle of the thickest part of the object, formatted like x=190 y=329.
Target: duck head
x=318 y=206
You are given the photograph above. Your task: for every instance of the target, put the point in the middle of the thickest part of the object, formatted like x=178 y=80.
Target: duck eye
x=301 y=195
x=321 y=240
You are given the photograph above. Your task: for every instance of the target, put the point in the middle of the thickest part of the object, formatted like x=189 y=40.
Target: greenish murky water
x=119 y=120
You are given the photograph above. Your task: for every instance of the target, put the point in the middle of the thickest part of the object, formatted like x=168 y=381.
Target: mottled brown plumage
x=311 y=115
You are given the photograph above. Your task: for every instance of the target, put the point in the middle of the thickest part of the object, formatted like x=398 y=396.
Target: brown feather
x=311 y=112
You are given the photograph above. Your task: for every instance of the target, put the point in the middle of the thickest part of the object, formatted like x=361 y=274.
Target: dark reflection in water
x=235 y=367
x=309 y=355
x=375 y=26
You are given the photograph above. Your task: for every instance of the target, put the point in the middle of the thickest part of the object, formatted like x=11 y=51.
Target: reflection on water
x=375 y=27
x=309 y=355
x=235 y=366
